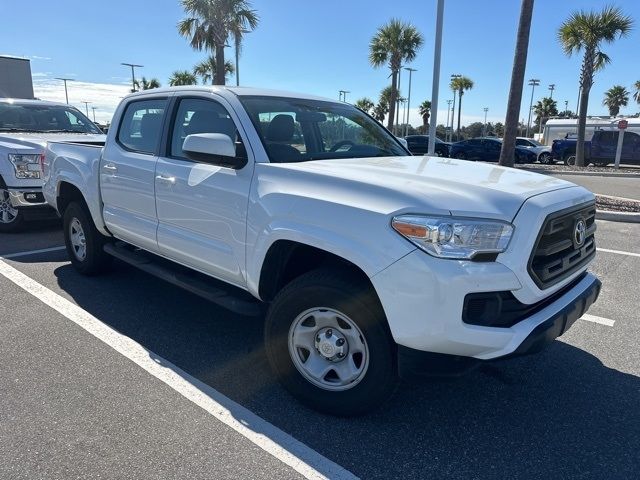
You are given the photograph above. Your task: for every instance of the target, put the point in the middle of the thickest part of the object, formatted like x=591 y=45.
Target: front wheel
x=570 y=160
x=328 y=342
x=461 y=156
x=11 y=218
x=84 y=242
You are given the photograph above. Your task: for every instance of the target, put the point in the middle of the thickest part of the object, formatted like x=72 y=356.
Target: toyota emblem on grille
x=580 y=232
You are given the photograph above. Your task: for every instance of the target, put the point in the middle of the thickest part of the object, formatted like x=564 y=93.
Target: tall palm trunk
x=459 y=111
x=237 y=42
x=220 y=72
x=586 y=81
x=392 y=100
x=517 y=83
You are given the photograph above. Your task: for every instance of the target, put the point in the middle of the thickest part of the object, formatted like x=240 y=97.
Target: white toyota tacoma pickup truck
x=370 y=263
x=25 y=127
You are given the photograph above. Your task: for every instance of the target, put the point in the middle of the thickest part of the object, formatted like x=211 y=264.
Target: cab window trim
x=161 y=130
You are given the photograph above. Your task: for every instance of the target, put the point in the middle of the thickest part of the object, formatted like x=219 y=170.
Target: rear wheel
x=83 y=241
x=11 y=218
x=546 y=158
x=461 y=155
x=570 y=159
x=328 y=343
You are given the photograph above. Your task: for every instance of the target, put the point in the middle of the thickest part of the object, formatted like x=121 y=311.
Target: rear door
x=631 y=147
x=492 y=150
x=202 y=207
x=127 y=173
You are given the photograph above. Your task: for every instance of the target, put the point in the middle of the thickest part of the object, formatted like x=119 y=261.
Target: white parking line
x=268 y=437
x=31 y=252
x=600 y=320
x=618 y=252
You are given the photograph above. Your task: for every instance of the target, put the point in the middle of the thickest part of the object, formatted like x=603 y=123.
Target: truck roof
x=23 y=101
x=237 y=91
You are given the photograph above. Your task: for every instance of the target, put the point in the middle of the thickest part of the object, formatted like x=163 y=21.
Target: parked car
x=369 y=262
x=419 y=145
x=543 y=152
x=564 y=149
x=601 y=149
x=488 y=149
x=25 y=127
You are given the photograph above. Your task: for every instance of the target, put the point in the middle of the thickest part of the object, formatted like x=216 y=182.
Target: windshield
x=43 y=118
x=535 y=142
x=298 y=130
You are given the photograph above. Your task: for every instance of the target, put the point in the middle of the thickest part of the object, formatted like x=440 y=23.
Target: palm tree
x=394 y=43
x=145 y=84
x=511 y=123
x=206 y=69
x=424 y=109
x=183 y=77
x=460 y=84
x=586 y=31
x=545 y=108
x=365 y=104
x=636 y=94
x=210 y=23
x=242 y=24
x=614 y=98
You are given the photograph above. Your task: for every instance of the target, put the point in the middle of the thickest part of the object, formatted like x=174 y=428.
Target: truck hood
x=422 y=185
x=35 y=142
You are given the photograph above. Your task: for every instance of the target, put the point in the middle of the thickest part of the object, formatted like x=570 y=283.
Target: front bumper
x=26 y=197
x=412 y=362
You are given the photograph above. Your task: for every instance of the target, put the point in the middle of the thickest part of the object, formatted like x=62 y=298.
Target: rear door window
x=141 y=125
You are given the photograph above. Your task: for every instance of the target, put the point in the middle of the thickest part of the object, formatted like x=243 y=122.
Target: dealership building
x=15 y=77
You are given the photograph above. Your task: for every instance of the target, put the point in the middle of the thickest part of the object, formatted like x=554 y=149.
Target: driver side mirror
x=215 y=148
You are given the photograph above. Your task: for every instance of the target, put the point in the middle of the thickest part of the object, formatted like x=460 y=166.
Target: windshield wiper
x=21 y=130
x=63 y=130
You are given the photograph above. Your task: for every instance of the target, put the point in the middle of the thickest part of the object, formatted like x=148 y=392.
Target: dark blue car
x=487 y=149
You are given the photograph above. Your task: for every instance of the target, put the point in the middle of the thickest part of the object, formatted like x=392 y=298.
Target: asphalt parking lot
x=125 y=376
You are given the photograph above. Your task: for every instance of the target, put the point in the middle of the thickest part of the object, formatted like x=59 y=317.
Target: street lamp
x=534 y=82
x=65 y=80
x=94 y=114
x=406 y=128
x=133 y=74
x=435 y=84
x=86 y=106
x=343 y=95
x=566 y=107
x=552 y=87
x=453 y=110
x=486 y=109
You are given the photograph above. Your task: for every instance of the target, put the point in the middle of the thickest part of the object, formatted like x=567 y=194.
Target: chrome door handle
x=111 y=167
x=166 y=180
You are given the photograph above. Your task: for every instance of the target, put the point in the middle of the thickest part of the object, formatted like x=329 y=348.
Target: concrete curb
x=628 y=217
x=579 y=173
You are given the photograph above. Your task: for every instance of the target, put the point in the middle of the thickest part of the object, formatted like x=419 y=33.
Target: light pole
x=486 y=109
x=343 y=95
x=94 y=114
x=410 y=70
x=133 y=74
x=86 y=106
x=435 y=89
x=566 y=107
x=446 y=134
x=552 y=87
x=397 y=122
x=453 y=110
x=534 y=82
x=65 y=80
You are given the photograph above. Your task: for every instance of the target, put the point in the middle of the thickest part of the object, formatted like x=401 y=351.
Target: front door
x=202 y=207
x=127 y=173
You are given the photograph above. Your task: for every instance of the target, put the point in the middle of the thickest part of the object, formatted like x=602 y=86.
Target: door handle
x=166 y=179
x=111 y=167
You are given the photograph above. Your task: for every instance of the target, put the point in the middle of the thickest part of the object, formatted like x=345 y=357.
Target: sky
x=316 y=47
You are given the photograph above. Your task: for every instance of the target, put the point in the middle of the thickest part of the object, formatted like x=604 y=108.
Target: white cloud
x=103 y=96
x=37 y=57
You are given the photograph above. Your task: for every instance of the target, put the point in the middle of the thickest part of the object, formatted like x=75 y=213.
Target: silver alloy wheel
x=8 y=213
x=78 y=241
x=328 y=349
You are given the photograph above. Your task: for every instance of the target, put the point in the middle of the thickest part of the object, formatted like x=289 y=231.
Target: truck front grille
x=563 y=246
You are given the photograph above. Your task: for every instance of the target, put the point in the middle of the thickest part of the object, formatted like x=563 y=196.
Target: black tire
x=546 y=158
x=344 y=292
x=95 y=260
x=461 y=156
x=570 y=159
x=11 y=219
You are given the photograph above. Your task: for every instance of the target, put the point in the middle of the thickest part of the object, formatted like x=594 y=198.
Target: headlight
x=26 y=166
x=457 y=238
